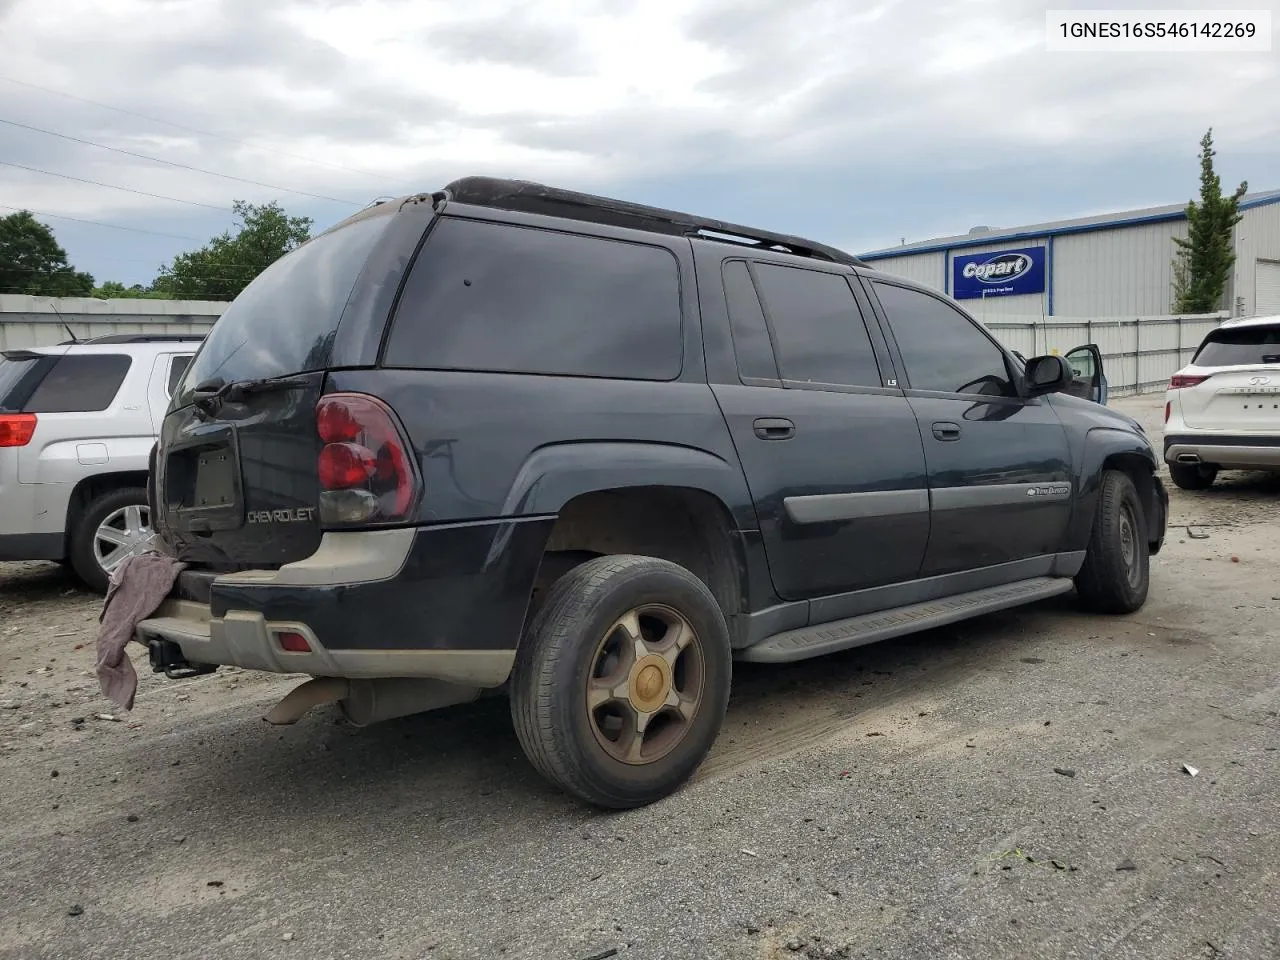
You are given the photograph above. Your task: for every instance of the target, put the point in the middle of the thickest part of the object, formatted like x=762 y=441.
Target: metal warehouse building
x=1117 y=265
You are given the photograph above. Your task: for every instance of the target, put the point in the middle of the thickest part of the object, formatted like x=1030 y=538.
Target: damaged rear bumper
x=443 y=603
x=245 y=638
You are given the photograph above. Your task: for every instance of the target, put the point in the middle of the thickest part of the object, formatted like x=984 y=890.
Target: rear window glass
x=80 y=383
x=285 y=321
x=1243 y=345
x=495 y=297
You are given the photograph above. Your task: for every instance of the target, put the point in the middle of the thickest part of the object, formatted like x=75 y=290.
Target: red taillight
x=346 y=465
x=1181 y=380
x=17 y=429
x=366 y=472
x=293 y=642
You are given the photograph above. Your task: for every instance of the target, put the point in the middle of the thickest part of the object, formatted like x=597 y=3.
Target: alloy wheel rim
x=645 y=684
x=123 y=533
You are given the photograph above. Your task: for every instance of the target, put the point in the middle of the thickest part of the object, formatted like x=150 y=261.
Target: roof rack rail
x=529 y=197
x=147 y=338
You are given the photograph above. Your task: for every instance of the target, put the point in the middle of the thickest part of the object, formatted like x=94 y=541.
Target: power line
x=99 y=223
x=204 y=133
x=112 y=186
x=174 y=163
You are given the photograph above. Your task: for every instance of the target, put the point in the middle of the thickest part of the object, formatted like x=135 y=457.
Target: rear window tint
x=1239 y=346
x=485 y=296
x=80 y=383
x=286 y=320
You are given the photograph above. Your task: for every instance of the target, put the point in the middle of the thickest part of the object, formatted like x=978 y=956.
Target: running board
x=854 y=632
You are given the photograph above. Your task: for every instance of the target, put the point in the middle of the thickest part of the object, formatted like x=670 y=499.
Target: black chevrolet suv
x=510 y=436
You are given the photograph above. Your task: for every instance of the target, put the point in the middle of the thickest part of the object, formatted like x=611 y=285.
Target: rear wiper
x=209 y=396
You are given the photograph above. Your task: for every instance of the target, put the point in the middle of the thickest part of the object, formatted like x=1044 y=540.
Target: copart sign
x=1004 y=273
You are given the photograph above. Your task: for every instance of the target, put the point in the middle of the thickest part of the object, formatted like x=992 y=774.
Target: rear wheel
x=1116 y=573
x=113 y=527
x=1193 y=476
x=622 y=680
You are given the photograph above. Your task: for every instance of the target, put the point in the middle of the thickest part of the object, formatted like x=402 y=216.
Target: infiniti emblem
x=1259 y=381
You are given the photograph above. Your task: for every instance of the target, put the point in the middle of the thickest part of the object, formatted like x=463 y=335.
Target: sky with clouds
x=855 y=122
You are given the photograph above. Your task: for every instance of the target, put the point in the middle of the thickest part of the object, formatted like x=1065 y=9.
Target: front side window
x=942 y=349
x=496 y=297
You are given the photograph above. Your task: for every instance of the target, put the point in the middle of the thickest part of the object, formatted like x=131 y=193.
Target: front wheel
x=1116 y=573
x=1193 y=476
x=622 y=681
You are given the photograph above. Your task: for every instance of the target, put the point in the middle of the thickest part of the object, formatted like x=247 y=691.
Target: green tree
x=115 y=290
x=227 y=263
x=32 y=262
x=1205 y=258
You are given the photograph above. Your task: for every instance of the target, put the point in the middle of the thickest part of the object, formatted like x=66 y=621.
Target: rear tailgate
x=237 y=479
x=240 y=489
x=1241 y=389
x=1238 y=399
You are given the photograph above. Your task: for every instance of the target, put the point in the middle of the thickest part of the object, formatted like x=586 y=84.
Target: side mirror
x=1047 y=374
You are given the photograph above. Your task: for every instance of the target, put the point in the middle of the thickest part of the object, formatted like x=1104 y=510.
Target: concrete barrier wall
x=43 y=321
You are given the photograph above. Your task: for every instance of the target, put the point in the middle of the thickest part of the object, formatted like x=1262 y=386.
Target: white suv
x=1222 y=411
x=77 y=424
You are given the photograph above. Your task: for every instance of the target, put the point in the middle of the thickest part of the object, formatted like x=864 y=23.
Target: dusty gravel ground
x=896 y=801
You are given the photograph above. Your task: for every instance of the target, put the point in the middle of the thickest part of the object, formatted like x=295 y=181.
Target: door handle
x=946 y=431
x=774 y=428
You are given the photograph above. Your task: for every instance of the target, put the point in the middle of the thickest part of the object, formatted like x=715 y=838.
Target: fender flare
x=1100 y=445
x=555 y=474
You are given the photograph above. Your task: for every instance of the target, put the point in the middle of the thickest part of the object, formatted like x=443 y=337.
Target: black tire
x=1193 y=476
x=558 y=659
x=1116 y=573
x=83 y=561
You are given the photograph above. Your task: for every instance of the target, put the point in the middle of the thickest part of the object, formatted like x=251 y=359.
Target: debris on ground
x=1126 y=864
x=1190 y=769
x=75 y=910
x=1064 y=772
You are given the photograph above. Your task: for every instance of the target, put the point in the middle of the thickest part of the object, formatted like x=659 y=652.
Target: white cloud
x=358 y=98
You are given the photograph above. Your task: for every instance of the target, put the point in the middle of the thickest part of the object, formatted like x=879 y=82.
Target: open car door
x=1089 y=381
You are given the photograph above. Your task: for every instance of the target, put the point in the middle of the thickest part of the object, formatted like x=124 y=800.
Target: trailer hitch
x=167 y=658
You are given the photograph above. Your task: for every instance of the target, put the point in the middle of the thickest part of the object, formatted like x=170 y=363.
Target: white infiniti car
x=1222 y=411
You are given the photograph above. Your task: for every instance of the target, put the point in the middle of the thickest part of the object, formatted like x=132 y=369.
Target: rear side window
x=746 y=321
x=485 y=296
x=80 y=383
x=943 y=349
x=819 y=329
x=1242 y=345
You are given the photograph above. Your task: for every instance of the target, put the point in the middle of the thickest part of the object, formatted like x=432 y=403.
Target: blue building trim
x=986 y=239
x=1048 y=272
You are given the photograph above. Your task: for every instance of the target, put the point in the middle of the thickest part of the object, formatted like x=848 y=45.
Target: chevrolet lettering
x=298 y=515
